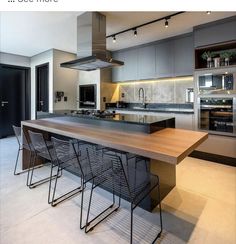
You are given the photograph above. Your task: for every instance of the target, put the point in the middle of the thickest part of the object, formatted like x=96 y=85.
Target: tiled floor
x=201 y=209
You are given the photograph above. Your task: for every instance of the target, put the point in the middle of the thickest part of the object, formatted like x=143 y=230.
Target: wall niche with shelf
x=222 y=55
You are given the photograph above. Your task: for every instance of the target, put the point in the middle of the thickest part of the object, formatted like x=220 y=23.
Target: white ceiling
x=29 y=33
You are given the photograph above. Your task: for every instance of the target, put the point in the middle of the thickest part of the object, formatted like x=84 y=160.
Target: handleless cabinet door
x=164 y=59
x=131 y=64
x=118 y=72
x=146 y=62
x=215 y=32
x=183 y=56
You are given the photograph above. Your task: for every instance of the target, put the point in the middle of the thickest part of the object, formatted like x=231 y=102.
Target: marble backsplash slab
x=166 y=91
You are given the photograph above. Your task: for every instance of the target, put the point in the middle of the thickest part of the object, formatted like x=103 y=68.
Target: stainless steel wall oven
x=217 y=115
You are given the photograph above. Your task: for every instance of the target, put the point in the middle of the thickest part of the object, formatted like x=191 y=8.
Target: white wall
x=64 y=80
x=105 y=88
x=42 y=58
x=60 y=79
x=12 y=59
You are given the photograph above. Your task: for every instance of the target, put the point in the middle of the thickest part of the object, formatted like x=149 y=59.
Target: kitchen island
x=120 y=121
x=164 y=148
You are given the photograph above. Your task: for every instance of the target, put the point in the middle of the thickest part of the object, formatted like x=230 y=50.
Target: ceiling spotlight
x=135 y=32
x=166 y=23
x=208 y=12
x=114 y=39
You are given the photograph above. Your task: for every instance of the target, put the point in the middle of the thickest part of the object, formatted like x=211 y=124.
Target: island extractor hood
x=91 y=44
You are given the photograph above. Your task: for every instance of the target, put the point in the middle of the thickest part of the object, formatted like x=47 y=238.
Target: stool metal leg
x=89 y=206
x=131 y=224
x=39 y=182
x=65 y=196
x=17 y=158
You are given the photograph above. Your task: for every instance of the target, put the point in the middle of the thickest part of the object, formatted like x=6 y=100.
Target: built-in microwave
x=220 y=83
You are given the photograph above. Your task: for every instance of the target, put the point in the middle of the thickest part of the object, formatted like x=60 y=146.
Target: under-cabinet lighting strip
x=185 y=78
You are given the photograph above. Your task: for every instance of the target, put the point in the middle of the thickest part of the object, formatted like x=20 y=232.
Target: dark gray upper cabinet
x=183 y=55
x=146 y=62
x=167 y=58
x=164 y=59
x=130 y=68
x=215 y=32
x=117 y=72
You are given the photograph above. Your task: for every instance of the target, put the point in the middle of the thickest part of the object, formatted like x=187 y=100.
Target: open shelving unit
x=200 y=63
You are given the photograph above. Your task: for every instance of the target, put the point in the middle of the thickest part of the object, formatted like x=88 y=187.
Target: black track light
x=134 y=28
x=166 y=23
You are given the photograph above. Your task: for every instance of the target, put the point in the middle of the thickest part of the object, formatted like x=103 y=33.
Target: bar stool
x=133 y=186
x=42 y=149
x=69 y=154
x=23 y=143
x=138 y=160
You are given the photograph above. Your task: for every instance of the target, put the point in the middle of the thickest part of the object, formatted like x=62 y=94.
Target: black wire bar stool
x=132 y=185
x=23 y=143
x=138 y=160
x=68 y=157
x=43 y=149
x=72 y=153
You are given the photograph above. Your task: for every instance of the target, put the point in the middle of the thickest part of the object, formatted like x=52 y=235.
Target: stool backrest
x=38 y=142
x=101 y=162
x=67 y=153
x=17 y=132
x=21 y=138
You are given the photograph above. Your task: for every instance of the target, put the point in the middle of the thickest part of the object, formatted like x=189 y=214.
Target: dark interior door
x=13 y=100
x=42 y=90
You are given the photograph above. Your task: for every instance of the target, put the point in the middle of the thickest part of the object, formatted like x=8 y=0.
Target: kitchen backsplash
x=161 y=91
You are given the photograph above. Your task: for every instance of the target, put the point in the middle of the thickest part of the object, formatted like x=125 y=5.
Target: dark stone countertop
x=186 y=108
x=123 y=118
x=126 y=122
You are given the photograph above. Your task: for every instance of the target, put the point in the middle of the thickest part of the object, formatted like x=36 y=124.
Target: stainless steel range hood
x=91 y=44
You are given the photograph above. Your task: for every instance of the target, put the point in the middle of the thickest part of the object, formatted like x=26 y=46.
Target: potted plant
x=208 y=57
x=226 y=55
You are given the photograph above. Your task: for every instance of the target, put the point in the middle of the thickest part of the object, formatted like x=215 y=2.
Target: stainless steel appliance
x=217 y=83
x=91 y=44
x=217 y=115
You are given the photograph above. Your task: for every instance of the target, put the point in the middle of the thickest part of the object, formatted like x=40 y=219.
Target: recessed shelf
x=201 y=64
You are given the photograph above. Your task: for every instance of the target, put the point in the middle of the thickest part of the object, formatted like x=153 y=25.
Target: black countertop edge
x=180 y=111
x=118 y=118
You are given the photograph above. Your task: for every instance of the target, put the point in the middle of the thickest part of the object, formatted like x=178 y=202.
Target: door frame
x=27 y=107
x=36 y=84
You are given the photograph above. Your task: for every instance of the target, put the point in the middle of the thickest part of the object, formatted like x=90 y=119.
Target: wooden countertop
x=168 y=145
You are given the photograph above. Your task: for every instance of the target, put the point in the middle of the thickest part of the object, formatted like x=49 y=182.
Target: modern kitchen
x=118 y=127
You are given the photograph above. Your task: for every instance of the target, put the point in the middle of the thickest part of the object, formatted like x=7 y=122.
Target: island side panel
x=167 y=177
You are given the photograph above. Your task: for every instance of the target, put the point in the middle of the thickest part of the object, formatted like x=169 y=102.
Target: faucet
x=141 y=94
